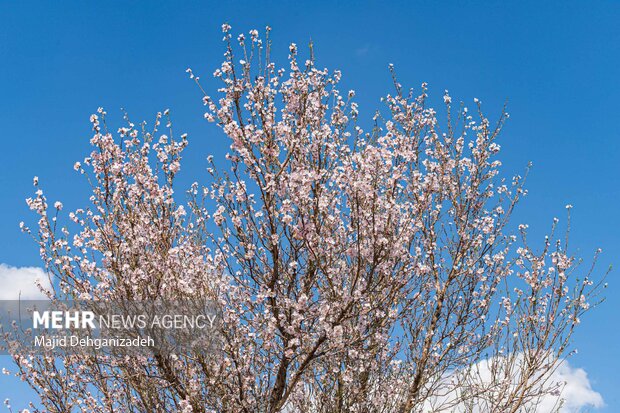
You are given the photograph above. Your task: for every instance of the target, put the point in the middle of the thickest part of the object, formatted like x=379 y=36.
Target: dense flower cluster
x=358 y=271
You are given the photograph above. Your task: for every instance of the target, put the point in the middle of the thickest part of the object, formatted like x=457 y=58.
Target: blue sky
x=556 y=63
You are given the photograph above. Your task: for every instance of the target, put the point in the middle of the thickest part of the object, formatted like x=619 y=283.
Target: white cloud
x=22 y=283
x=575 y=392
x=474 y=390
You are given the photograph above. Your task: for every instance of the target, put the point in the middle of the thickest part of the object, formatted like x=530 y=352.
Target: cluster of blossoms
x=357 y=271
x=7 y=403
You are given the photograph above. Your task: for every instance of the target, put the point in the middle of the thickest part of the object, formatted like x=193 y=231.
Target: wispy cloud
x=362 y=51
x=365 y=50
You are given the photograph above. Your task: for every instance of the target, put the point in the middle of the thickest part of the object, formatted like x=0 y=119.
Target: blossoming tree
x=357 y=271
